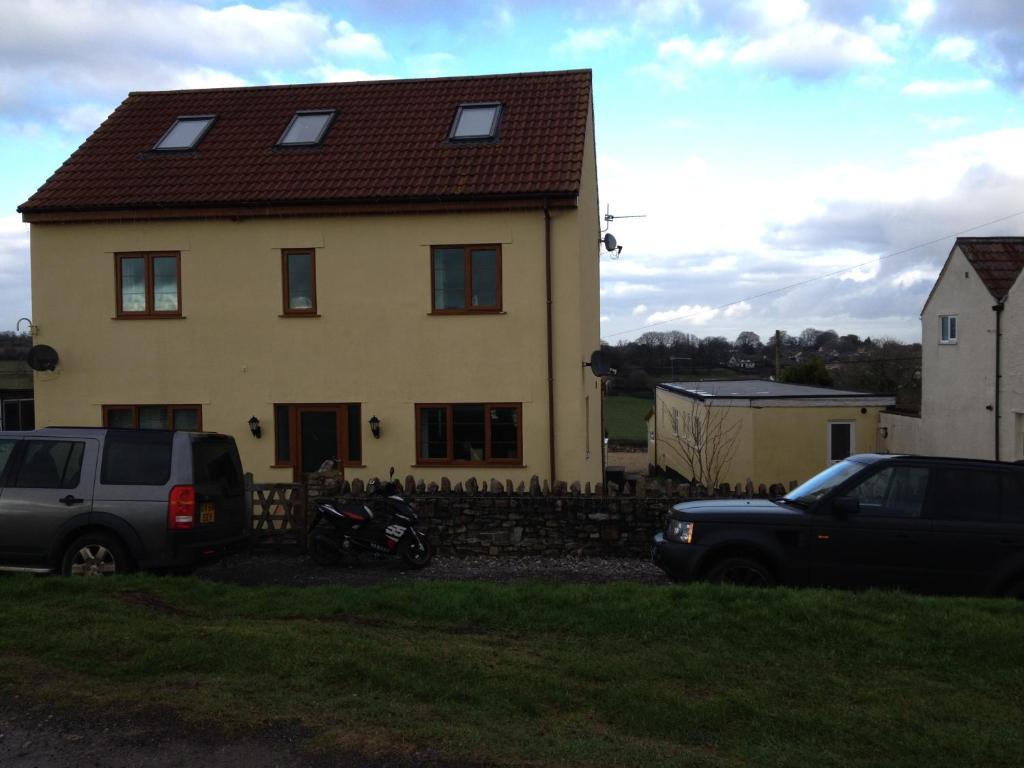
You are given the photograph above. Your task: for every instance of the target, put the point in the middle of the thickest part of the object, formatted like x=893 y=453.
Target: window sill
x=463 y=312
x=300 y=314
x=467 y=465
x=148 y=317
x=947 y=343
x=343 y=466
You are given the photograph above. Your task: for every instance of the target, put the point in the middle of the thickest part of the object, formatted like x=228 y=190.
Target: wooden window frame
x=450 y=422
x=287 y=311
x=169 y=408
x=467 y=266
x=150 y=312
x=344 y=427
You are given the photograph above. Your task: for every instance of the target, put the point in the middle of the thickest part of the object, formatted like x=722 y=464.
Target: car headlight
x=678 y=530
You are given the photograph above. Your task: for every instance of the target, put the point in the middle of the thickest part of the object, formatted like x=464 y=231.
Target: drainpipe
x=551 y=365
x=998 y=309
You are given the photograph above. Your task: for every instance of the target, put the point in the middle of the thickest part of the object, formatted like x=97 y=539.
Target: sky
x=837 y=146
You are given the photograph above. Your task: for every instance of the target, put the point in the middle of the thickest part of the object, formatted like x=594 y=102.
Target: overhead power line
x=825 y=276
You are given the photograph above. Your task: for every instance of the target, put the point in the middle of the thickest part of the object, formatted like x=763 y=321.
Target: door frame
x=341 y=432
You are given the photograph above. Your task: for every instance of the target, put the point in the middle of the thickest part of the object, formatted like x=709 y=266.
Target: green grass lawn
x=624 y=416
x=531 y=674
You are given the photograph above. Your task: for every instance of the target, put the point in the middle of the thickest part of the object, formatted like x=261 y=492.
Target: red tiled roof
x=389 y=142
x=997 y=260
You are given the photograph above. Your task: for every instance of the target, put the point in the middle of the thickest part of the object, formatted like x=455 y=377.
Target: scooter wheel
x=416 y=554
x=322 y=551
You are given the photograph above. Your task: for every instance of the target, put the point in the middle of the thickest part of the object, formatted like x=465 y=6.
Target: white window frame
x=829 y=461
x=949 y=329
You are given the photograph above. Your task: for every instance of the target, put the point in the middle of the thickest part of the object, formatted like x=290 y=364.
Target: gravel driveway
x=281 y=569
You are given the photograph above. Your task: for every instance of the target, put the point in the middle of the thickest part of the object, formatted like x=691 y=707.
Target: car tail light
x=181 y=508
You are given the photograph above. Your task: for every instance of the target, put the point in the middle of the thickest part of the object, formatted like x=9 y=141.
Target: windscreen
x=824 y=482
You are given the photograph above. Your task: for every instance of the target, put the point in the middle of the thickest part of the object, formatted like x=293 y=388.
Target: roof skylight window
x=186 y=132
x=306 y=128
x=476 y=121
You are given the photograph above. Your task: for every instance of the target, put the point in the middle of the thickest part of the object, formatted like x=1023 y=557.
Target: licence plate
x=207 y=513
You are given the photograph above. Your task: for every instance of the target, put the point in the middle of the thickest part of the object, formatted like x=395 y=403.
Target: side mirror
x=845 y=505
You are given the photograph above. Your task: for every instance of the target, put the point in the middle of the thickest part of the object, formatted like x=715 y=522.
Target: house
x=16 y=404
x=972 y=357
x=386 y=274
x=764 y=431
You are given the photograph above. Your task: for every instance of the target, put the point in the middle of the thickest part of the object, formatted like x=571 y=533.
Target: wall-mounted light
x=375 y=427
x=884 y=431
x=255 y=428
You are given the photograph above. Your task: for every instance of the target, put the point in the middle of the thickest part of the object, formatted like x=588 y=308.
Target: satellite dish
x=610 y=242
x=42 y=358
x=599 y=363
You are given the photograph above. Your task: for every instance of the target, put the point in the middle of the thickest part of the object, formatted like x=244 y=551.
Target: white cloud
x=943 y=123
x=579 y=42
x=813 y=50
x=605 y=318
x=946 y=87
x=622 y=288
x=348 y=42
x=955 y=48
x=694 y=314
x=83 y=118
x=328 y=74
x=741 y=309
x=914 y=276
x=684 y=49
x=779 y=13
x=639 y=309
x=205 y=77
x=432 y=64
x=919 y=11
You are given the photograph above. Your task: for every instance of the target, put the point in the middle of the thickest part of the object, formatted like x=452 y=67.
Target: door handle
x=70 y=500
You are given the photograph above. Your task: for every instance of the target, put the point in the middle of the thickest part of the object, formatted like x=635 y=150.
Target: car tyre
x=742 y=571
x=95 y=554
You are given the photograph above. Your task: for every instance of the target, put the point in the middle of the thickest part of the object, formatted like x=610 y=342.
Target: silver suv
x=90 y=501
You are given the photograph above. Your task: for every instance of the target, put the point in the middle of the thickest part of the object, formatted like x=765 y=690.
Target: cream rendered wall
x=1011 y=422
x=902 y=433
x=957 y=379
x=792 y=443
x=667 y=453
x=375 y=342
x=774 y=444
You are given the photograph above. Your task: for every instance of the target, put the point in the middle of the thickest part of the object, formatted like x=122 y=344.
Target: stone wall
x=494 y=518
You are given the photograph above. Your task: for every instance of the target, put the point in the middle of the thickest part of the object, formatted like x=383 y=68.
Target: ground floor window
x=840 y=440
x=185 y=418
x=18 y=414
x=307 y=435
x=469 y=433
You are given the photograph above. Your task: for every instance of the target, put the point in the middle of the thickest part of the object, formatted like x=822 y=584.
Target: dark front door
x=319 y=437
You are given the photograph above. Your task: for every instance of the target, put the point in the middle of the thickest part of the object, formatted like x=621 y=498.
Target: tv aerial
x=610 y=243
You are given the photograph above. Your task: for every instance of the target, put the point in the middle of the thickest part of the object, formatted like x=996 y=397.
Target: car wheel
x=95 y=554
x=743 y=571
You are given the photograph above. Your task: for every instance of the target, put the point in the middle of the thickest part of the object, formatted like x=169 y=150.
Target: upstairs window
x=307 y=128
x=466 y=278
x=185 y=133
x=148 y=284
x=298 y=268
x=947 y=329
x=476 y=122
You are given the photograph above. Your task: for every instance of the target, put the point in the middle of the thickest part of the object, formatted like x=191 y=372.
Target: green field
x=624 y=417
x=539 y=675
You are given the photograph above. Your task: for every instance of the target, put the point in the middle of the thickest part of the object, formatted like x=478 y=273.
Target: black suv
x=92 y=501
x=953 y=526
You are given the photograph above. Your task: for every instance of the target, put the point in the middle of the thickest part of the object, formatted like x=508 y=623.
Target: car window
x=892 y=492
x=966 y=494
x=137 y=458
x=6 y=449
x=50 y=464
x=215 y=463
x=824 y=482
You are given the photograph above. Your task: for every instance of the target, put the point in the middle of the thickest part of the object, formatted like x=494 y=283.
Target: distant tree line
x=14 y=346
x=816 y=357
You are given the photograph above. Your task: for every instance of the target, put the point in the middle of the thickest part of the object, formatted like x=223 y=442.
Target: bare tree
x=705 y=440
